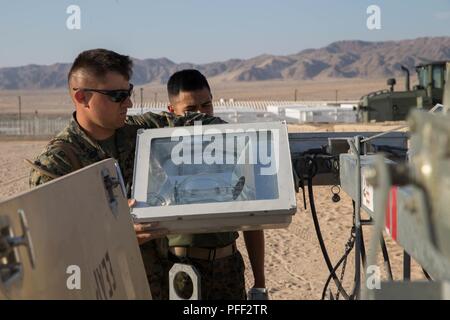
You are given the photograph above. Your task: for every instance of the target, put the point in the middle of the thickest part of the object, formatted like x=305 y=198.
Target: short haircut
x=186 y=80
x=98 y=62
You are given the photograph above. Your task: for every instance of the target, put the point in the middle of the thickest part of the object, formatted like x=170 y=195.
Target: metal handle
x=24 y=239
x=121 y=181
x=11 y=266
x=111 y=183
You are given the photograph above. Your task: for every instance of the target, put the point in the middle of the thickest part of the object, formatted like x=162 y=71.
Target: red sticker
x=391 y=213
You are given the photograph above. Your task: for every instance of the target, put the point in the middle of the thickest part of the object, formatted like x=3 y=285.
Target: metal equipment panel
x=71 y=238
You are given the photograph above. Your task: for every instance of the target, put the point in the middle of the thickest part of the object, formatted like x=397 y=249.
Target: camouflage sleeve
x=50 y=164
x=152 y=120
x=148 y=120
x=191 y=117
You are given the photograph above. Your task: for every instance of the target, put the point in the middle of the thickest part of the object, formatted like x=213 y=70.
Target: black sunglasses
x=115 y=95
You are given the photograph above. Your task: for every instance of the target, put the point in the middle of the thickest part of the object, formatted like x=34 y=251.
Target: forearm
x=254 y=241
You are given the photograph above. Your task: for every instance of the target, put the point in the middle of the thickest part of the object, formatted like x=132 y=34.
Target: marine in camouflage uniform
x=73 y=149
x=214 y=255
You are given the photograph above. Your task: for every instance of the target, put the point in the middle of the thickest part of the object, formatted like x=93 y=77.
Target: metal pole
x=142 y=99
x=357 y=220
x=34 y=122
x=20 y=114
x=156 y=97
x=355 y=147
x=337 y=96
x=295 y=95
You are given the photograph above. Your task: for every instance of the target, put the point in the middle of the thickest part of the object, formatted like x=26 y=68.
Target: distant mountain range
x=342 y=59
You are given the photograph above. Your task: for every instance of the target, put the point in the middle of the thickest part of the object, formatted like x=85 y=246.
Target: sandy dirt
x=294 y=265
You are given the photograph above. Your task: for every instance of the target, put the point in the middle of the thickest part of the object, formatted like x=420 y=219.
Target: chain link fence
x=36 y=126
x=46 y=125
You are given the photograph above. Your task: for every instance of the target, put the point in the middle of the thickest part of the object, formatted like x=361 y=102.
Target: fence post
x=142 y=99
x=20 y=115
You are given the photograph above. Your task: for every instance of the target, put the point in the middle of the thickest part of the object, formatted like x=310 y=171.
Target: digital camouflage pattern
x=73 y=149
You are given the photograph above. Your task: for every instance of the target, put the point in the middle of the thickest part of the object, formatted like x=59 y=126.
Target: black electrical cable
x=348 y=250
x=312 y=171
x=359 y=234
x=426 y=275
x=363 y=247
x=386 y=258
x=321 y=242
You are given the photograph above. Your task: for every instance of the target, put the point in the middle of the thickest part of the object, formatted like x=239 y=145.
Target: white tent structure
x=265 y=111
x=320 y=114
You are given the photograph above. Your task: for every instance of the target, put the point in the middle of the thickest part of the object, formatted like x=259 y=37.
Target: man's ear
x=170 y=108
x=80 y=97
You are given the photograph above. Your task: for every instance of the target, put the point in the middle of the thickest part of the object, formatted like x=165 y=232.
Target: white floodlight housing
x=214 y=178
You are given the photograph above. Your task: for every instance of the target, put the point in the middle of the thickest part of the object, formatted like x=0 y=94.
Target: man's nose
x=128 y=103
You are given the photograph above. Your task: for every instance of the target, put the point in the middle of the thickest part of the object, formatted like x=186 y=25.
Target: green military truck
x=391 y=105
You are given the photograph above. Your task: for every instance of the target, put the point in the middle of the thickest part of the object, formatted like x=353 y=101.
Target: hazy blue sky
x=202 y=31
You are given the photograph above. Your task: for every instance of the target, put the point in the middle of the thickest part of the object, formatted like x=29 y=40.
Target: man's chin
x=119 y=123
x=121 y=120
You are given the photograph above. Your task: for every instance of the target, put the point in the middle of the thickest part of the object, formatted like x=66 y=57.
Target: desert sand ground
x=294 y=265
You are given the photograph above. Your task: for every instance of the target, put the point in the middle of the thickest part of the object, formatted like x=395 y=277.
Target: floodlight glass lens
x=237 y=178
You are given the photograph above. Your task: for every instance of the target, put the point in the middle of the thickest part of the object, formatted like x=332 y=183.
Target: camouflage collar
x=76 y=130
